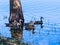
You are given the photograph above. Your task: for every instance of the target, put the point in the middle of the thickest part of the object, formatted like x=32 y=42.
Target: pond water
x=48 y=35
x=50 y=10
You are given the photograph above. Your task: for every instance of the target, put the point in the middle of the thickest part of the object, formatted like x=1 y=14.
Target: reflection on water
x=49 y=34
x=16 y=33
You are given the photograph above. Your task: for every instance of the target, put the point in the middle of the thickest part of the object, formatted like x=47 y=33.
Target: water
x=48 y=35
x=50 y=10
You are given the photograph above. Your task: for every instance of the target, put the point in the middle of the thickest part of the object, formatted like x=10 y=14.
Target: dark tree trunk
x=15 y=13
